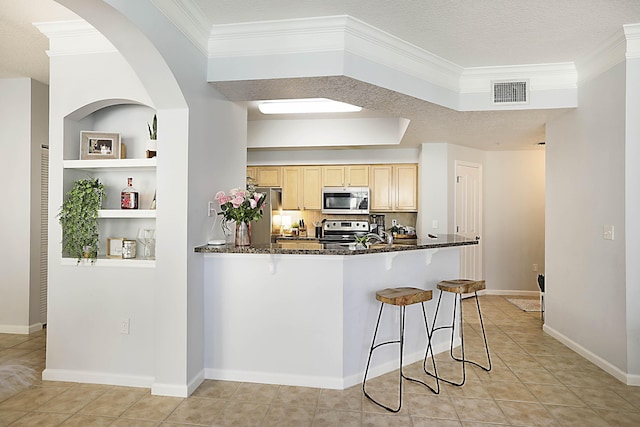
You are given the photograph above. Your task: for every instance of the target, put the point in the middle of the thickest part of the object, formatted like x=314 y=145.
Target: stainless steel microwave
x=345 y=200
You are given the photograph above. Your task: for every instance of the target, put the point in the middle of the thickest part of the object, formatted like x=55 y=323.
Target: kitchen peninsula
x=305 y=316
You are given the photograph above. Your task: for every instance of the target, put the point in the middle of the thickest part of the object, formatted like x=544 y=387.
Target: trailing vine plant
x=79 y=219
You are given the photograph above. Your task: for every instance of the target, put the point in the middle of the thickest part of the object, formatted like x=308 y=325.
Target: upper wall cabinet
x=394 y=187
x=301 y=187
x=265 y=176
x=345 y=176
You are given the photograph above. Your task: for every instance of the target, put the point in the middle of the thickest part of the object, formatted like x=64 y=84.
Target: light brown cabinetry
x=265 y=176
x=251 y=174
x=345 y=176
x=394 y=187
x=301 y=187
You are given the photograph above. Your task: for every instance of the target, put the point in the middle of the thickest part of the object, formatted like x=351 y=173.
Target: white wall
x=585 y=175
x=514 y=219
x=23 y=129
x=332 y=156
x=433 y=193
x=87 y=303
x=202 y=149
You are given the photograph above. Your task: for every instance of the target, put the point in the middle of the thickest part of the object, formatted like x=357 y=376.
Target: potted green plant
x=152 y=143
x=79 y=219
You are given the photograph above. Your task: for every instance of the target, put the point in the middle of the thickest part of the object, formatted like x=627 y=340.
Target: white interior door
x=468 y=217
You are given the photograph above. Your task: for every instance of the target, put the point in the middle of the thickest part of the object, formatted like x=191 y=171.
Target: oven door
x=345 y=200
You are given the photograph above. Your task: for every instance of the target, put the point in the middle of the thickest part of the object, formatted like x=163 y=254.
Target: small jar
x=128 y=249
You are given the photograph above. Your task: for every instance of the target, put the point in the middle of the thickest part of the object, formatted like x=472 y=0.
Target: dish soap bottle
x=129 y=196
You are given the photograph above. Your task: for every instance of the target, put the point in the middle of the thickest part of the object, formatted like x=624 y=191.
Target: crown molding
x=606 y=56
x=632 y=35
x=189 y=19
x=287 y=36
x=74 y=37
x=341 y=33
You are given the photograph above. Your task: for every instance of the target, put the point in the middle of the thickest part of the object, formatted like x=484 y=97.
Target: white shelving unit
x=113 y=173
x=103 y=261
x=123 y=213
x=117 y=164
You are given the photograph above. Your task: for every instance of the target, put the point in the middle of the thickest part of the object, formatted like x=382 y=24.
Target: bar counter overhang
x=305 y=317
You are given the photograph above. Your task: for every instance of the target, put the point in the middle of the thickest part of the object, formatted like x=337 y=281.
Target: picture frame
x=114 y=247
x=99 y=145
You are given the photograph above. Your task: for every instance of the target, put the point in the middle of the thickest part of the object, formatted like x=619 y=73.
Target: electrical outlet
x=608 y=232
x=535 y=267
x=211 y=209
x=394 y=222
x=124 y=326
x=434 y=224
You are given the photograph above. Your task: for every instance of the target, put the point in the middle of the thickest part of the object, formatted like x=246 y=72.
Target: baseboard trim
x=509 y=292
x=90 y=377
x=594 y=358
x=171 y=390
x=195 y=382
x=20 y=329
x=335 y=383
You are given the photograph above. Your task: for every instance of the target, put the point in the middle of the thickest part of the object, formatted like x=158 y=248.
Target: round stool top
x=461 y=286
x=403 y=296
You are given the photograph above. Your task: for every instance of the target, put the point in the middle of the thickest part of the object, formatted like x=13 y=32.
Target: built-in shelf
x=121 y=164
x=126 y=213
x=103 y=261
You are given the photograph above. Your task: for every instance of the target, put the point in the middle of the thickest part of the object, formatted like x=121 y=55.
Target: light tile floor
x=535 y=381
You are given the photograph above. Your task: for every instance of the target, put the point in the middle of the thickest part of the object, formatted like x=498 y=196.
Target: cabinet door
x=381 y=183
x=291 y=188
x=333 y=176
x=268 y=176
x=406 y=192
x=311 y=187
x=251 y=173
x=357 y=175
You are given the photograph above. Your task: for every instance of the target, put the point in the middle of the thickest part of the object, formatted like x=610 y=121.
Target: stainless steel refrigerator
x=261 y=229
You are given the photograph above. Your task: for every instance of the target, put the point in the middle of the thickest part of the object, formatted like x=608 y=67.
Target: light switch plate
x=608 y=232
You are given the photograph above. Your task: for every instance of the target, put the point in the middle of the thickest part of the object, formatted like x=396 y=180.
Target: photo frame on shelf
x=114 y=247
x=99 y=145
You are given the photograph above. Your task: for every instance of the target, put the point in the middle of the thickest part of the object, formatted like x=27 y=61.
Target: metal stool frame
x=452 y=326
x=401 y=342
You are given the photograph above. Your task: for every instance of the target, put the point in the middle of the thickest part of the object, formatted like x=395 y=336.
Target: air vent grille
x=511 y=92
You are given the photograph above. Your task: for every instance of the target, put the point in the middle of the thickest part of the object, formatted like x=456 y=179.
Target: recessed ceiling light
x=303 y=106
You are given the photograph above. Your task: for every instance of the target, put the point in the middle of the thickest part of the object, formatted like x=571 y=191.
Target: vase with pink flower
x=240 y=207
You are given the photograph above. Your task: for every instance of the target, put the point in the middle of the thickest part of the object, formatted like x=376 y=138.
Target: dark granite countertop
x=313 y=248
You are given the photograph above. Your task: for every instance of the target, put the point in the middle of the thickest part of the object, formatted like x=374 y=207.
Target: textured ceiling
x=470 y=33
x=488 y=130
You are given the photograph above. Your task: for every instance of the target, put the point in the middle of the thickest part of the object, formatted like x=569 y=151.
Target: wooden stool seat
x=403 y=296
x=462 y=286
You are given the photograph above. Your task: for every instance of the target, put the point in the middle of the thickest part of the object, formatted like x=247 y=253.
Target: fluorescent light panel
x=302 y=106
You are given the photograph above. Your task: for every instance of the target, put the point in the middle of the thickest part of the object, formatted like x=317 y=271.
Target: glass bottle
x=129 y=196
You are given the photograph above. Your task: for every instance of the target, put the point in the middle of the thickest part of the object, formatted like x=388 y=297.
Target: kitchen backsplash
x=309 y=217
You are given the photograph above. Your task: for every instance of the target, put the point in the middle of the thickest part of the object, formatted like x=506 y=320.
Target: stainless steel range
x=340 y=231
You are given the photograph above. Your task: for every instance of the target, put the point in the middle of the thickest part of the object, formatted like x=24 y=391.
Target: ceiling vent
x=510 y=92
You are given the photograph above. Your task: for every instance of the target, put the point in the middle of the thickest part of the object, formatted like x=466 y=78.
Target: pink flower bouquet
x=240 y=205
